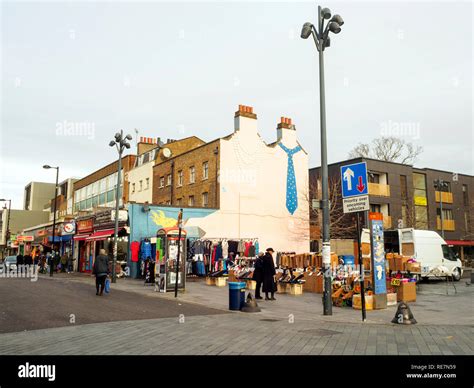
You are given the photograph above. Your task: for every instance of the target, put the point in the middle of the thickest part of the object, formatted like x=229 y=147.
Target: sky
x=73 y=73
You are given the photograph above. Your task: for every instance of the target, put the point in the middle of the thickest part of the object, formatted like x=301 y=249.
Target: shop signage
x=421 y=201
x=378 y=250
x=24 y=238
x=395 y=282
x=123 y=215
x=69 y=228
x=84 y=226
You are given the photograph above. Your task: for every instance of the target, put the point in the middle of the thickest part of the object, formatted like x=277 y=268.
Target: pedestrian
x=269 y=284
x=101 y=270
x=258 y=275
x=69 y=263
x=27 y=259
x=19 y=260
x=63 y=263
x=56 y=260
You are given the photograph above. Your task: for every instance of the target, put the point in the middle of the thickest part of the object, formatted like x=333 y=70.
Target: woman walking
x=101 y=270
x=269 y=284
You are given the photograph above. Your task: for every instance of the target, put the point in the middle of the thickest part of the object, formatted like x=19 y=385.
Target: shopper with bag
x=101 y=270
x=269 y=284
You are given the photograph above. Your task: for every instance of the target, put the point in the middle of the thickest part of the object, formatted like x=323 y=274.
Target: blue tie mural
x=291 y=191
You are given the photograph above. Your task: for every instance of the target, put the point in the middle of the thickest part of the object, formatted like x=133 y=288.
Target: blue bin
x=236 y=295
x=348 y=259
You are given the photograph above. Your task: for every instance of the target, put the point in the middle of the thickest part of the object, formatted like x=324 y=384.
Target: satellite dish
x=166 y=152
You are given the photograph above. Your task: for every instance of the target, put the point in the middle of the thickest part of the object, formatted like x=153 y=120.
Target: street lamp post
x=121 y=143
x=47 y=167
x=439 y=185
x=322 y=40
x=7 y=232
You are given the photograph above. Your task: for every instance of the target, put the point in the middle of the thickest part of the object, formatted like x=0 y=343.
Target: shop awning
x=66 y=237
x=100 y=235
x=466 y=243
x=80 y=237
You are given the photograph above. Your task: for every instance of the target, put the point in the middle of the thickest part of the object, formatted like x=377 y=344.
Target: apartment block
x=36 y=194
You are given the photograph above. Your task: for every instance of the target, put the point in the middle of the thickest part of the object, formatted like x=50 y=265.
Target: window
x=419 y=184
x=146 y=158
x=95 y=201
x=180 y=177
x=447 y=214
x=467 y=222
x=192 y=174
x=374 y=178
x=405 y=216
x=88 y=203
x=102 y=199
x=133 y=187
x=421 y=217
x=205 y=199
x=191 y=200
x=110 y=195
x=147 y=184
x=168 y=180
x=465 y=195
x=403 y=186
x=162 y=181
x=375 y=208
x=178 y=201
x=205 y=170
x=141 y=185
x=448 y=253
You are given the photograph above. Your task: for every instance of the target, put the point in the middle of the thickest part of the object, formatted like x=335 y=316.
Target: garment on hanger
x=145 y=249
x=134 y=250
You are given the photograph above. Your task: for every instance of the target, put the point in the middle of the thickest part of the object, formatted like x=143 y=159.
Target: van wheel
x=456 y=274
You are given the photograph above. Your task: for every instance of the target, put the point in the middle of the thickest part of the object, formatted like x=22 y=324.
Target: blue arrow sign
x=354 y=180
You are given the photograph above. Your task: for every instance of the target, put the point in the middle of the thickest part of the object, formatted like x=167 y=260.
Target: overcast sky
x=181 y=69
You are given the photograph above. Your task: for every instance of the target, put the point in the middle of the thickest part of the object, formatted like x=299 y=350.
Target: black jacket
x=258 y=271
x=101 y=265
x=269 y=272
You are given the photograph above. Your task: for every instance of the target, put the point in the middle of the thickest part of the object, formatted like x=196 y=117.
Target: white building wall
x=136 y=175
x=253 y=192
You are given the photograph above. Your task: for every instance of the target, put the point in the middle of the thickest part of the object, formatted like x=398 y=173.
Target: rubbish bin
x=236 y=295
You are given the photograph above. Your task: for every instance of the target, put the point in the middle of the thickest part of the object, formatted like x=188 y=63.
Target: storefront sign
x=123 y=215
x=69 y=228
x=85 y=226
x=24 y=238
x=421 y=201
x=378 y=250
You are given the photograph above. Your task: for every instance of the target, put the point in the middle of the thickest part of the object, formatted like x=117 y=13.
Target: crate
x=251 y=285
x=392 y=299
x=296 y=289
x=283 y=288
x=357 y=302
x=221 y=282
x=210 y=281
x=406 y=292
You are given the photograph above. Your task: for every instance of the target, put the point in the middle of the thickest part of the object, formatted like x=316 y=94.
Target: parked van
x=426 y=246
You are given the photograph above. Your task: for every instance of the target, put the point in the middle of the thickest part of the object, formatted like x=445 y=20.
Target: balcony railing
x=447 y=224
x=387 y=222
x=446 y=197
x=379 y=189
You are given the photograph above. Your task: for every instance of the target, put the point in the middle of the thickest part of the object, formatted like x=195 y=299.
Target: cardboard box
x=406 y=292
x=392 y=299
x=380 y=301
x=296 y=289
x=313 y=283
x=283 y=288
x=366 y=262
x=210 y=281
x=400 y=262
x=413 y=267
x=357 y=303
x=365 y=247
x=251 y=285
x=334 y=260
x=221 y=282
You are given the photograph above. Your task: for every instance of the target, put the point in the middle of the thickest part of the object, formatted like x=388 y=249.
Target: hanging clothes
x=134 y=250
x=145 y=249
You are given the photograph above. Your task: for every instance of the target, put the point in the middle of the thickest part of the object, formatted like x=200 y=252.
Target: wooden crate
x=251 y=285
x=282 y=288
x=210 y=281
x=392 y=299
x=296 y=289
x=406 y=292
x=221 y=282
x=357 y=302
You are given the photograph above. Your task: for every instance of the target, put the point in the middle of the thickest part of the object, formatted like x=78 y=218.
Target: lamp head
x=129 y=137
x=127 y=145
x=337 y=19
x=306 y=30
x=326 y=13
x=118 y=136
x=46 y=166
x=334 y=28
x=112 y=143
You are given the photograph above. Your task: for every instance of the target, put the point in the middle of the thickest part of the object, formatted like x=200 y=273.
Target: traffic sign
x=355 y=204
x=354 y=180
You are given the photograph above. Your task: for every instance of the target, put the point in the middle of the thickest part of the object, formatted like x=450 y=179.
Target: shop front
x=82 y=248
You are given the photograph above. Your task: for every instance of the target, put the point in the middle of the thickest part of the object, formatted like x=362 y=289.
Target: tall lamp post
x=47 y=167
x=439 y=185
x=120 y=142
x=7 y=232
x=321 y=38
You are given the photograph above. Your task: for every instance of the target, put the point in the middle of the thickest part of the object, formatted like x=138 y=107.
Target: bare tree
x=389 y=149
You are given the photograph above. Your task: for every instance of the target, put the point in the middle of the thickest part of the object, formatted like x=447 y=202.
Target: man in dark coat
x=258 y=275
x=269 y=284
x=101 y=270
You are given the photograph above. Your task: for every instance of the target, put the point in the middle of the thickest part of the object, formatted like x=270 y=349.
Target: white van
x=426 y=246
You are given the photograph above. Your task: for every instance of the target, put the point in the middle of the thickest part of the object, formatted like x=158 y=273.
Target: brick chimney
x=245 y=119
x=146 y=144
x=286 y=131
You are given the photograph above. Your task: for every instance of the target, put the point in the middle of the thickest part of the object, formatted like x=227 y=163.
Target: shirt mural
x=291 y=190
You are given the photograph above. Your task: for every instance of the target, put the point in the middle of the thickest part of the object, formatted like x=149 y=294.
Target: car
x=9 y=264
